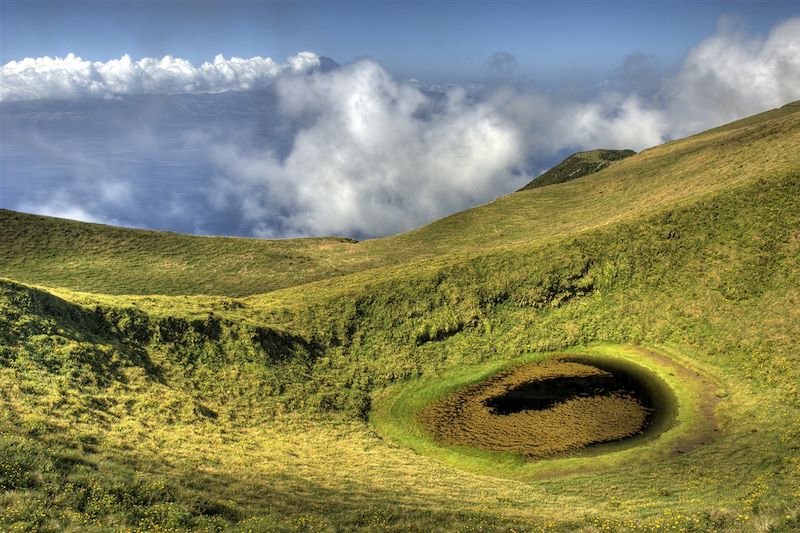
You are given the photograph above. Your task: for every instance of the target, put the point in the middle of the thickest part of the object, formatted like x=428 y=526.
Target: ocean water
x=152 y=161
x=142 y=161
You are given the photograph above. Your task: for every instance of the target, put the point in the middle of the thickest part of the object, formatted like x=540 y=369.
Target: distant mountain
x=578 y=165
x=326 y=64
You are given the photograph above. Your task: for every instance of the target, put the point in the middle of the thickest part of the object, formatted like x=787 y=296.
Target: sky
x=224 y=118
x=438 y=41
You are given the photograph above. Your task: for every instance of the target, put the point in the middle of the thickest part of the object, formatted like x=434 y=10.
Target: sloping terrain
x=201 y=382
x=105 y=259
x=578 y=165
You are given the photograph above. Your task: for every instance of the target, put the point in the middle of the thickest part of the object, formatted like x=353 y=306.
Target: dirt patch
x=708 y=429
x=542 y=409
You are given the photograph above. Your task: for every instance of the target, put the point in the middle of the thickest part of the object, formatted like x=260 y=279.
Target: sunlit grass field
x=159 y=381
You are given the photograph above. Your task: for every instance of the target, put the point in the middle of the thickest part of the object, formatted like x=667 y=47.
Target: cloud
x=73 y=77
x=379 y=156
x=376 y=159
x=731 y=75
x=364 y=154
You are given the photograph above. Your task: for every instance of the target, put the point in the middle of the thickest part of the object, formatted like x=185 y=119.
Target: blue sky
x=435 y=40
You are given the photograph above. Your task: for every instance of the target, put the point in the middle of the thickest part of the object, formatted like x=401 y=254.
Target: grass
x=236 y=392
x=397 y=415
x=95 y=258
x=578 y=165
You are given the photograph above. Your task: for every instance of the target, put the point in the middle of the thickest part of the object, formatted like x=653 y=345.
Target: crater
x=555 y=407
x=542 y=394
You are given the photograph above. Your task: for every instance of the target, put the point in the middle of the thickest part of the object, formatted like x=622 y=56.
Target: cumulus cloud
x=379 y=156
x=732 y=74
x=71 y=76
x=374 y=160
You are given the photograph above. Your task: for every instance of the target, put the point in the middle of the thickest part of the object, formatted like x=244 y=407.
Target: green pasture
x=153 y=381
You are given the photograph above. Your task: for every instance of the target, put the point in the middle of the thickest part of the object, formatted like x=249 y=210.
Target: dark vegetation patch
x=545 y=394
x=578 y=165
x=548 y=408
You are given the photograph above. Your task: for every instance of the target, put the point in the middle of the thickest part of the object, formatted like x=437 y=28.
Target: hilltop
x=154 y=380
x=578 y=165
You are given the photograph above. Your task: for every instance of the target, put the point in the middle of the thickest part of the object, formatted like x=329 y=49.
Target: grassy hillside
x=98 y=258
x=293 y=408
x=578 y=165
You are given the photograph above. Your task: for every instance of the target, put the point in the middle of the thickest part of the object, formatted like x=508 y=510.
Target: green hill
x=110 y=260
x=160 y=381
x=578 y=165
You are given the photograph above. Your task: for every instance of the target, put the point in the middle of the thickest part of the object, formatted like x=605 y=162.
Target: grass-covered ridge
x=157 y=409
x=578 y=165
x=105 y=259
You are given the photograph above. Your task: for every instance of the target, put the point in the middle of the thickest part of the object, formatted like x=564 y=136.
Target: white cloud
x=731 y=75
x=370 y=155
x=71 y=76
x=370 y=163
x=378 y=157
x=610 y=120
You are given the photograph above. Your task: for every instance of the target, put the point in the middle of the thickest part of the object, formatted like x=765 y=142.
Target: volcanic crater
x=553 y=407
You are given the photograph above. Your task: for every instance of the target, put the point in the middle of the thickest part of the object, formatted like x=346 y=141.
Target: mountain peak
x=326 y=64
x=578 y=165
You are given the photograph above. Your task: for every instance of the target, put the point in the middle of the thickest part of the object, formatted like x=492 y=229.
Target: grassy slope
x=122 y=261
x=578 y=165
x=216 y=411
